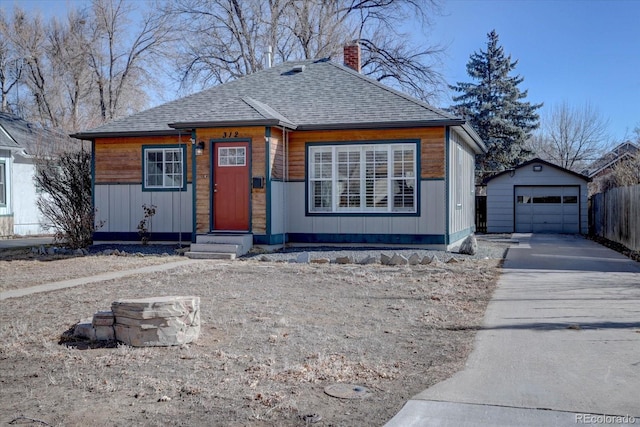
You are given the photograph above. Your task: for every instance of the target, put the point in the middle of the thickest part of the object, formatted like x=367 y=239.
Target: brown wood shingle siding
x=276 y=148
x=119 y=160
x=432 y=142
x=258 y=168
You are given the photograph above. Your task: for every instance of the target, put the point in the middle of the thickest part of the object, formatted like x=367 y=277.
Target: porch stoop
x=220 y=246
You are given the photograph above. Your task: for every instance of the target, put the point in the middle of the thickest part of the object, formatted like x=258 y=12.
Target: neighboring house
x=19 y=141
x=537 y=197
x=599 y=170
x=303 y=152
x=610 y=160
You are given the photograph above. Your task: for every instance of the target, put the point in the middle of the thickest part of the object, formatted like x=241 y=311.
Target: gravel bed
x=489 y=247
x=135 y=249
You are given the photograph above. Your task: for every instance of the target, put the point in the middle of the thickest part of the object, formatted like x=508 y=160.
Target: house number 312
x=230 y=134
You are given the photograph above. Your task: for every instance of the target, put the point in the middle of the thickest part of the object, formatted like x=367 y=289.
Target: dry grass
x=273 y=336
x=19 y=268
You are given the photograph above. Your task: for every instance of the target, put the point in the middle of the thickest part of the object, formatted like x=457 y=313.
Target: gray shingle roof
x=323 y=95
x=15 y=132
x=18 y=134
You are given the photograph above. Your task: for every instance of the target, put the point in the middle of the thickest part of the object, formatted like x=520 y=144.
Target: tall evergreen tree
x=496 y=109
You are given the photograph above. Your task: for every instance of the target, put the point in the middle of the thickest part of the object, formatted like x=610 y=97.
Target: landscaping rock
x=320 y=261
x=428 y=260
x=158 y=321
x=303 y=258
x=469 y=246
x=384 y=259
x=344 y=260
x=414 y=259
x=104 y=333
x=369 y=260
x=84 y=329
x=103 y=318
x=398 y=259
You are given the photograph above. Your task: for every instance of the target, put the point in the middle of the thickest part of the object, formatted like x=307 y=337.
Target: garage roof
x=537 y=160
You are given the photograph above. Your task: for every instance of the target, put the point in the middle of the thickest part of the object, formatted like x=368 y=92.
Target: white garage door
x=547 y=209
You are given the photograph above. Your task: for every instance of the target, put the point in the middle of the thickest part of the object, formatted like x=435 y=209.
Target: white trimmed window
x=163 y=168
x=367 y=178
x=3 y=184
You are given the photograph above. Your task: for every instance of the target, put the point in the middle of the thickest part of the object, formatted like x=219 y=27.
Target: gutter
x=88 y=136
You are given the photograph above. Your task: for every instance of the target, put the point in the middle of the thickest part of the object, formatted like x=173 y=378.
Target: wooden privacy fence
x=615 y=215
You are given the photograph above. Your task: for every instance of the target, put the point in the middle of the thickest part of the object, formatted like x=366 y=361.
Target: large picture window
x=367 y=178
x=3 y=184
x=164 y=168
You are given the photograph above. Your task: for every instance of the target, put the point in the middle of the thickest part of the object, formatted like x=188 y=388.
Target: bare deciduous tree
x=92 y=66
x=118 y=56
x=11 y=66
x=226 y=39
x=571 y=136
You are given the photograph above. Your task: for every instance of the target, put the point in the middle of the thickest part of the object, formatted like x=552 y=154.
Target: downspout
x=267 y=183
x=285 y=180
x=93 y=182
x=193 y=186
x=180 y=197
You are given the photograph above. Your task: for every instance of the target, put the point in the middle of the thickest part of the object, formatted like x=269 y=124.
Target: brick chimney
x=352 y=55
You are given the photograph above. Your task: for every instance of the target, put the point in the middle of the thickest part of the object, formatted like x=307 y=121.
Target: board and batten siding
x=119 y=209
x=430 y=222
x=6 y=209
x=461 y=186
x=27 y=219
x=501 y=194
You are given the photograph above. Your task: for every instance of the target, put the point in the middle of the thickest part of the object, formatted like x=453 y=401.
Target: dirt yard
x=273 y=336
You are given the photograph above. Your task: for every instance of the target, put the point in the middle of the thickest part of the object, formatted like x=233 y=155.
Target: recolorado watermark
x=605 y=419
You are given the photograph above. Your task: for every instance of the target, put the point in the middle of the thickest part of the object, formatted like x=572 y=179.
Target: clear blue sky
x=574 y=50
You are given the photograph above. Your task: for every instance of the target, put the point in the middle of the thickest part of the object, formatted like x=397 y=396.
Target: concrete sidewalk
x=25 y=242
x=54 y=286
x=561 y=339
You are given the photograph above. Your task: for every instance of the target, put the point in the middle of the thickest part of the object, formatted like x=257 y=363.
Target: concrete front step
x=216 y=247
x=236 y=244
x=210 y=255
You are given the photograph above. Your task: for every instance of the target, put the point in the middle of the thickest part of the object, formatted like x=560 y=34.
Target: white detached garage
x=537 y=197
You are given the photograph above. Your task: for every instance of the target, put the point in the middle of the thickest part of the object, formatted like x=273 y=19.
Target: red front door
x=230 y=183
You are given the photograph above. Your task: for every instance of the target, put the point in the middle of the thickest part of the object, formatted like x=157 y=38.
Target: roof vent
x=298 y=68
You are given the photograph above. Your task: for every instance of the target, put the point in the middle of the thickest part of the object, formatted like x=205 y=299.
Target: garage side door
x=547 y=209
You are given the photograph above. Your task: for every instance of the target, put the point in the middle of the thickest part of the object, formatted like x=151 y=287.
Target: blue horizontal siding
x=397 y=239
x=135 y=237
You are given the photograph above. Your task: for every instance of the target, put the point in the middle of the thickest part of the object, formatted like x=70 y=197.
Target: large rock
x=398 y=259
x=469 y=246
x=158 y=321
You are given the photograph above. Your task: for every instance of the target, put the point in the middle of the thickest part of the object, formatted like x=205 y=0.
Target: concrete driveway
x=560 y=344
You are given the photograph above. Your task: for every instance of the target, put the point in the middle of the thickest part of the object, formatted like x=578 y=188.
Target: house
x=600 y=169
x=19 y=143
x=537 y=197
x=606 y=163
x=303 y=152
